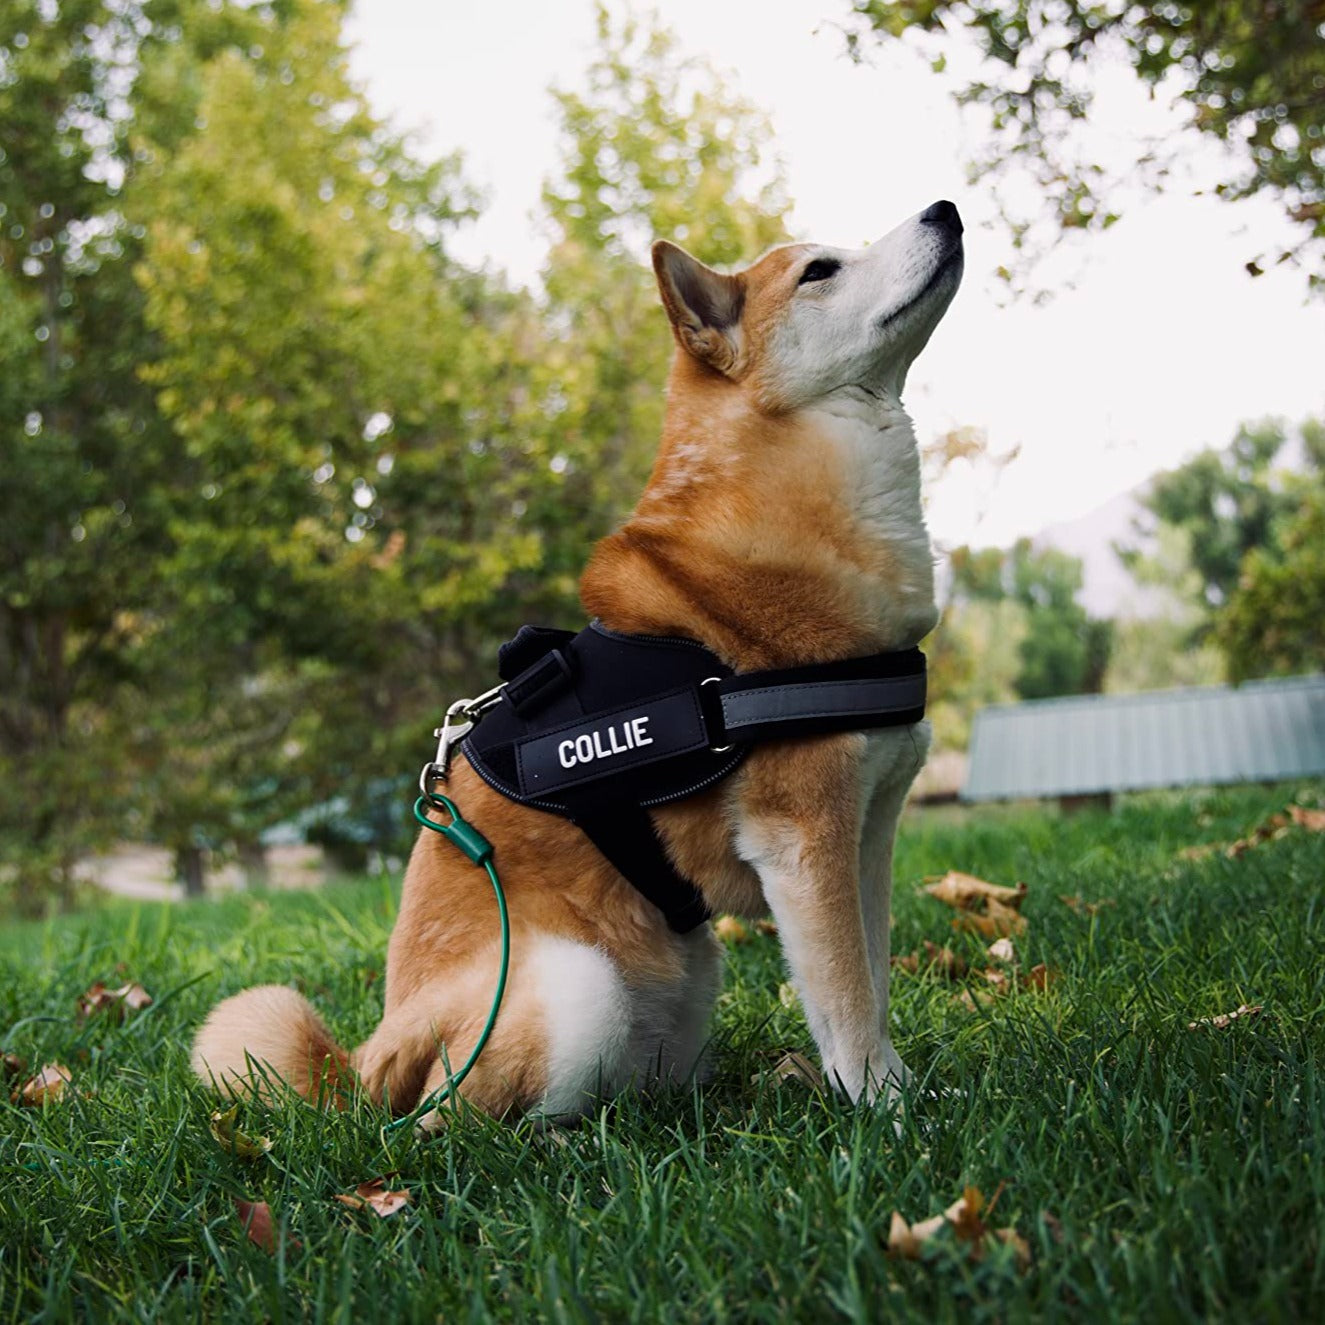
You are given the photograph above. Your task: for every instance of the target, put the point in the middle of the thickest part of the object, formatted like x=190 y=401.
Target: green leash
x=461 y=833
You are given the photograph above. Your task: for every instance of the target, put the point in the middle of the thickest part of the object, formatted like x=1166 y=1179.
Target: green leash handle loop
x=462 y=834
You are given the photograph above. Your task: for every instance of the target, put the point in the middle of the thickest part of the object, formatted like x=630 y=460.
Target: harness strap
x=627 y=837
x=757 y=706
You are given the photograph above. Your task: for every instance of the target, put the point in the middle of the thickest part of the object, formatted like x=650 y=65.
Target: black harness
x=599 y=727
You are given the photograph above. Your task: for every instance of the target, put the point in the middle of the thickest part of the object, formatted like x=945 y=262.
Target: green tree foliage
x=1225 y=502
x=655 y=148
x=85 y=455
x=281 y=473
x=1012 y=629
x=1249 y=519
x=1275 y=622
x=1252 y=77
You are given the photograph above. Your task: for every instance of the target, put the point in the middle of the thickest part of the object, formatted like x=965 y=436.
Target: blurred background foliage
x=280 y=473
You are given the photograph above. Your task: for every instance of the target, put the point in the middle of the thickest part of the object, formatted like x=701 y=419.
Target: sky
x=1156 y=342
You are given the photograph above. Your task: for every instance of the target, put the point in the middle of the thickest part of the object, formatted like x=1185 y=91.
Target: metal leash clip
x=458 y=723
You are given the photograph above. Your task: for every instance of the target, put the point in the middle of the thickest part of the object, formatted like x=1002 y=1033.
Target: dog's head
x=807 y=320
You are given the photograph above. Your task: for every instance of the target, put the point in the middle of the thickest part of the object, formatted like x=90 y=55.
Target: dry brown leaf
x=995 y=979
x=1038 y=977
x=943 y=960
x=46 y=1087
x=11 y=1065
x=793 y=1066
x=909 y=963
x=974 y=999
x=1082 y=907
x=965 y=892
x=731 y=930
x=998 y=921
x=767 y=928
x=1312 y=820
x=231 y=1139
x=964 y=1215
x=259 y=1225
x=1226 y=1019
x=908 y=1240
x=113 y=1001
x=374 y=1196
x=967 y=1218
x=1003 y=951
x=1021 y=1249
x=1275 y=826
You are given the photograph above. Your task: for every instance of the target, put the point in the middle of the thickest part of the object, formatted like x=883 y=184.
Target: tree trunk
x=253 y=862
x=188 y=865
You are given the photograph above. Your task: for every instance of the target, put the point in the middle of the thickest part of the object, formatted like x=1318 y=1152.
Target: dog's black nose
x=943 y=213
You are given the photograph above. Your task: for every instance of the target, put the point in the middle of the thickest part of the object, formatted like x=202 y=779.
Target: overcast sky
x=1161 y=348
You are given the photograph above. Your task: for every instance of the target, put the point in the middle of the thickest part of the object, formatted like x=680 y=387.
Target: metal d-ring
x=715 y=749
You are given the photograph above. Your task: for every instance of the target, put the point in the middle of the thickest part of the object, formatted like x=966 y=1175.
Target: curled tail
x=265 y=1034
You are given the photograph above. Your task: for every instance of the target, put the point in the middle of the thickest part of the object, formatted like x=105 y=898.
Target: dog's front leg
x=799 y=819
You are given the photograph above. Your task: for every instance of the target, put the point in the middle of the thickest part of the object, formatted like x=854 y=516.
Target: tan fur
x=744 y=539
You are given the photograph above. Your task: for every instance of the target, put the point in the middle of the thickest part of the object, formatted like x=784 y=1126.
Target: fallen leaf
x=997 y=921
x=374 y=1196
x=974 y=999
x=1082 y=907
x=1275 y=826
x=908 y=1240
x=259 y=1225
x=964 y=1215
x=731 y=930
x=767 y=928
x=11 y=1065
x=1003 y=951
x=965 y=892
x=113 y=1001
x=910 y=963
x=46 y=1087
x=1021 y=1249
x=996 y=978
x=793 y=1066
x=1198 y=852
x=231 y=1139
x=1226 y=1019
x=787 y=996
x=1312 y=820
x=945 y=961
x=1038 y=977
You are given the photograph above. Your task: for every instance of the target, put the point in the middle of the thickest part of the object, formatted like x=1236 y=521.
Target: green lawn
x=1157 y=1173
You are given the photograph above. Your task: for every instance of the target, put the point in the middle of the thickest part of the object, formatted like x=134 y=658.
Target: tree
x=1064 y=651
x=656 y=148
x=1275 y=621
x=1250 y=75
x=84 y=452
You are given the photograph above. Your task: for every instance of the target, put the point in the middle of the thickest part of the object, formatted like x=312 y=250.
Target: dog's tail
x=266 y=1035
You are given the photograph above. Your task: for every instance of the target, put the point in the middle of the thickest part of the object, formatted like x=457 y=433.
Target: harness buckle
x=456 y=725
x=715 y=680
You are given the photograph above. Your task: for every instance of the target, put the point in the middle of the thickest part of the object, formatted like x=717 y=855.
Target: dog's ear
x=704 y=305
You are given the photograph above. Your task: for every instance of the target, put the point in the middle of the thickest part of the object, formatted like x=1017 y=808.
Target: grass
x=1157 y=1173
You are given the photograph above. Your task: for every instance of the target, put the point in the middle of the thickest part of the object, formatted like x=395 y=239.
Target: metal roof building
x=1092 y=745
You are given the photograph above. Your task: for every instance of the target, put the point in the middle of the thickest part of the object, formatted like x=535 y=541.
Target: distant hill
x=1109 y=590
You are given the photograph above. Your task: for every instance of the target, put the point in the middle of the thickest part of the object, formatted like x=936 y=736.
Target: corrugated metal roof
x=1257 y=732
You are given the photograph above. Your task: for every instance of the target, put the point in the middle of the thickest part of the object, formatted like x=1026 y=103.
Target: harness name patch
x=669 y=725
x=588 y=746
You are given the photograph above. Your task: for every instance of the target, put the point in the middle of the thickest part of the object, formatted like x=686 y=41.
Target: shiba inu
x=781 y=526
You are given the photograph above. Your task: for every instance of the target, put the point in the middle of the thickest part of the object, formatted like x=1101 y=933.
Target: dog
x=782 y=525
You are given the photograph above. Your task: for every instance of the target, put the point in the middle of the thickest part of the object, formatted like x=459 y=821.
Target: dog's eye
x=820 y=270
